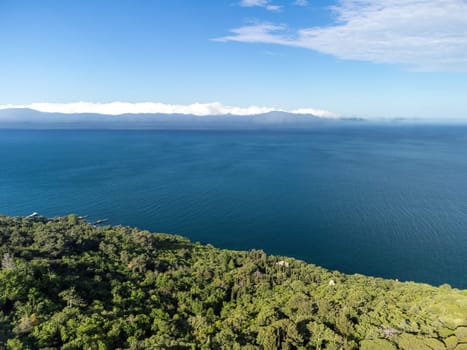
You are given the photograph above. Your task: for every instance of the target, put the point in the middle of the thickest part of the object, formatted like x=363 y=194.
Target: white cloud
x=300 y=3
x=251 y=3
x=426 y=35
x=262 y=32
x=260 y=3
x=273 y=7
x=199 y=109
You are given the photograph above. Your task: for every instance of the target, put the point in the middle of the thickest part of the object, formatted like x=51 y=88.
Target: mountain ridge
x=33 y=119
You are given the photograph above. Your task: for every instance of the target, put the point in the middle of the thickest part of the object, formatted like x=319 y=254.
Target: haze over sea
x=387 y=201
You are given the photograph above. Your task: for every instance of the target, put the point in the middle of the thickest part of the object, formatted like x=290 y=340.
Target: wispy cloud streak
x=302 y=3
x=260 y=3
x=425 y=35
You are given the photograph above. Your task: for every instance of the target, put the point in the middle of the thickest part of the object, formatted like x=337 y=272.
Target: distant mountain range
x=23 y=118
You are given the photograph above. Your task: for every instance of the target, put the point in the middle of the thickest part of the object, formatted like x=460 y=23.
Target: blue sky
x=366 y=58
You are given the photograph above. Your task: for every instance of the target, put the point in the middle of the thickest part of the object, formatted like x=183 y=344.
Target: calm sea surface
x=383 y=201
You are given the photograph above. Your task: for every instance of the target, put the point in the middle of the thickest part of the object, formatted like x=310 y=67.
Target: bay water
x=388 y=201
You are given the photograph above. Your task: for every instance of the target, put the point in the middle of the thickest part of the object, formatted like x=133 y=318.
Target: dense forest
x=66 y=284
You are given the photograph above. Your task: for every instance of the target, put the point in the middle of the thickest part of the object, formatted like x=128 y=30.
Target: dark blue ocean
x=387 y=201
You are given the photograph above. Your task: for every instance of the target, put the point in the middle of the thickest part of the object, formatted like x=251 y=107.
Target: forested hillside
x=65 y=284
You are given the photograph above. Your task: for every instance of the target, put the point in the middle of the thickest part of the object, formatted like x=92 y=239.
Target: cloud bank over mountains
x=152 y=115
x=423 y=35
x=197 y=109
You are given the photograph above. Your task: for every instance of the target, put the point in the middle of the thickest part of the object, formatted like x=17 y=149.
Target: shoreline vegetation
x=67 y=284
